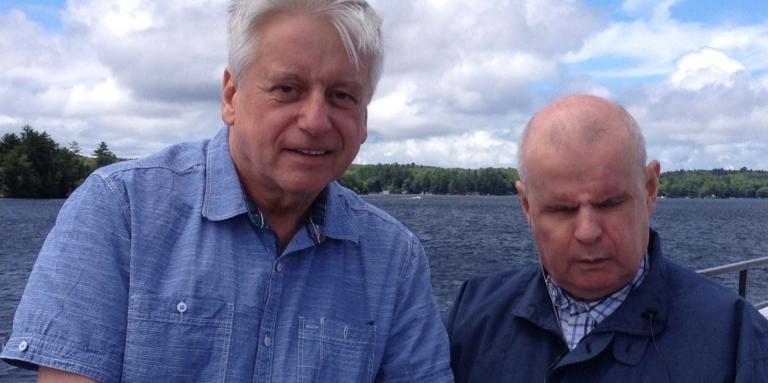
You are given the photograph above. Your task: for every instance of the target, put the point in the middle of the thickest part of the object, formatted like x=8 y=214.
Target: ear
x=523 y=199
x=228 y=93
x=652 y=172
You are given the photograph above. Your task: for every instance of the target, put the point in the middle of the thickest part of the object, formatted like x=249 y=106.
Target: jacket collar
x=646 y=305
x=535 y=306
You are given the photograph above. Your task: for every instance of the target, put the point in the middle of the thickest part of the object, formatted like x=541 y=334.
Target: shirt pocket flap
x=189 y=309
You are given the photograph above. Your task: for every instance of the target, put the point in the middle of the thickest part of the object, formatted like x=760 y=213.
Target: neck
x=285 y=213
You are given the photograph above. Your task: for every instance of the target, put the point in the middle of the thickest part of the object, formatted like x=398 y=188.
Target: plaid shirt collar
x=578 y=318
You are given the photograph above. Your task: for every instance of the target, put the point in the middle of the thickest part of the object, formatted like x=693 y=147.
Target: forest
x=414 y=179
x=33 y=165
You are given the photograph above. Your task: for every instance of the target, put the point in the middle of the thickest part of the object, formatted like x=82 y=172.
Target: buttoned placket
x=267 y=344
x=266 y=348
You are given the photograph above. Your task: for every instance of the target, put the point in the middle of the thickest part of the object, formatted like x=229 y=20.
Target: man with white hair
x=603 y=304
x=240 y=259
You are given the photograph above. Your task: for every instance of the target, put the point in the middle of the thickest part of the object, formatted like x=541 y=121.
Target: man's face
x=298 y=116
x=588 y=207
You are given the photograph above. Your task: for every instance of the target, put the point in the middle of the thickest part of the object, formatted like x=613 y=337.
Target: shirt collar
x=315 y=223
x=223 y=197
x=341 y=207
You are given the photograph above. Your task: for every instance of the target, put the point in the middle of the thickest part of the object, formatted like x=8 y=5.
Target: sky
x=461 y=77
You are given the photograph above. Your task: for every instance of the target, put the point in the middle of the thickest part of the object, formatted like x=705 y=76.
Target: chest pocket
x=331 y=350
x=177 y=339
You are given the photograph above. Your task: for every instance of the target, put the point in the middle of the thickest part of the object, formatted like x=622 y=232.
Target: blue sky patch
x=47 y=13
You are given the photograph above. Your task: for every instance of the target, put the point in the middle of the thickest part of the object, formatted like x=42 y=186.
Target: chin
x=304 y=186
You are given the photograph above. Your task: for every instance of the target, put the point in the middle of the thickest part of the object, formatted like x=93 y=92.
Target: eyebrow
x=282 y=74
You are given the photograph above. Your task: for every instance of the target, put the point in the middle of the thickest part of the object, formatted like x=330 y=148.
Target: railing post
x=743 y=283
x=742 y=267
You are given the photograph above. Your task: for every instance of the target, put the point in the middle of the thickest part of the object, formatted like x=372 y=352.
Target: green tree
x=74 y=147
x=33 y=165
x=103 y=155
x=28 y=164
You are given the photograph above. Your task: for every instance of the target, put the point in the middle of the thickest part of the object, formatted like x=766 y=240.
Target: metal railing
x=742 y=268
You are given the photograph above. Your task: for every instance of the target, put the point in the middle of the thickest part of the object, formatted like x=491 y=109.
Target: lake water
x=464 y=236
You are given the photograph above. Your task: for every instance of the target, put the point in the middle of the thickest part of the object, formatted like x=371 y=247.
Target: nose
x=588 y=228
x=315 y=116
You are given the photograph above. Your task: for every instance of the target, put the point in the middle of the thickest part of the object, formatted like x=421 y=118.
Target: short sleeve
x=417 y=348
x=72 y=315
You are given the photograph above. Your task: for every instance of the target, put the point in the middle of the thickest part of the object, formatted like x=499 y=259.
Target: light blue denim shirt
x=154 y=273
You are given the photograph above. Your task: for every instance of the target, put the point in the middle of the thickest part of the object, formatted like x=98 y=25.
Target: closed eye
x=560 y=209
x=612 y=202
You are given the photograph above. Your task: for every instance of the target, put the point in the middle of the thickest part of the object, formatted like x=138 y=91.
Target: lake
x=464 y=236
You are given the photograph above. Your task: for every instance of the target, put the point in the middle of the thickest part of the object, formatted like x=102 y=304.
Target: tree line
x=33 y=165
x=717 y=183
x=415 y=179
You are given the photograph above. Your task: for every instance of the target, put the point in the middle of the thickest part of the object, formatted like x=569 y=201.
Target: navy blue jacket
x=677 y=326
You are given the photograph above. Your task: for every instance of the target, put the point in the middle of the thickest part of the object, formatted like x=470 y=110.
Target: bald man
x=603 y=304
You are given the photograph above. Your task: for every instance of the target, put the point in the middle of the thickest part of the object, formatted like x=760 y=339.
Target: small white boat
x=764 y=311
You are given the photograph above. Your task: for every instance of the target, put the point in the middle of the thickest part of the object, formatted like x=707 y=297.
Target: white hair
x=357 y=23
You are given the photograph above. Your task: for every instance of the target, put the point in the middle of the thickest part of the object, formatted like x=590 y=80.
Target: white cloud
x=706 y=67
x=472 y=149
x=118 y=19
x=652 y=47
x=136 y=74
x=709 y=113
x=8 y=120
x=461 y=77
x=103 y=97
x=458 y=66
x=748 y=43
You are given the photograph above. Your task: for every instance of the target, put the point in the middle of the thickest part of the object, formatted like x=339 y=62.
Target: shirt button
x=181 y=307
x=267 y=341
x=23 y=345
x=279 y=267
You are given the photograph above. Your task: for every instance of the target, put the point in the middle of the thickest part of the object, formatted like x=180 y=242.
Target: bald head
x=587 y=194
x=579 y=123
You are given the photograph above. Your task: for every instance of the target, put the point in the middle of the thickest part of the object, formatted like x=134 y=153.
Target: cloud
x=475 y=149
x=456 y=66
x=652 y=47
x=136 y=74
x=709 y=112
x=706 y=67
x=461 y=78
x=170 y=51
